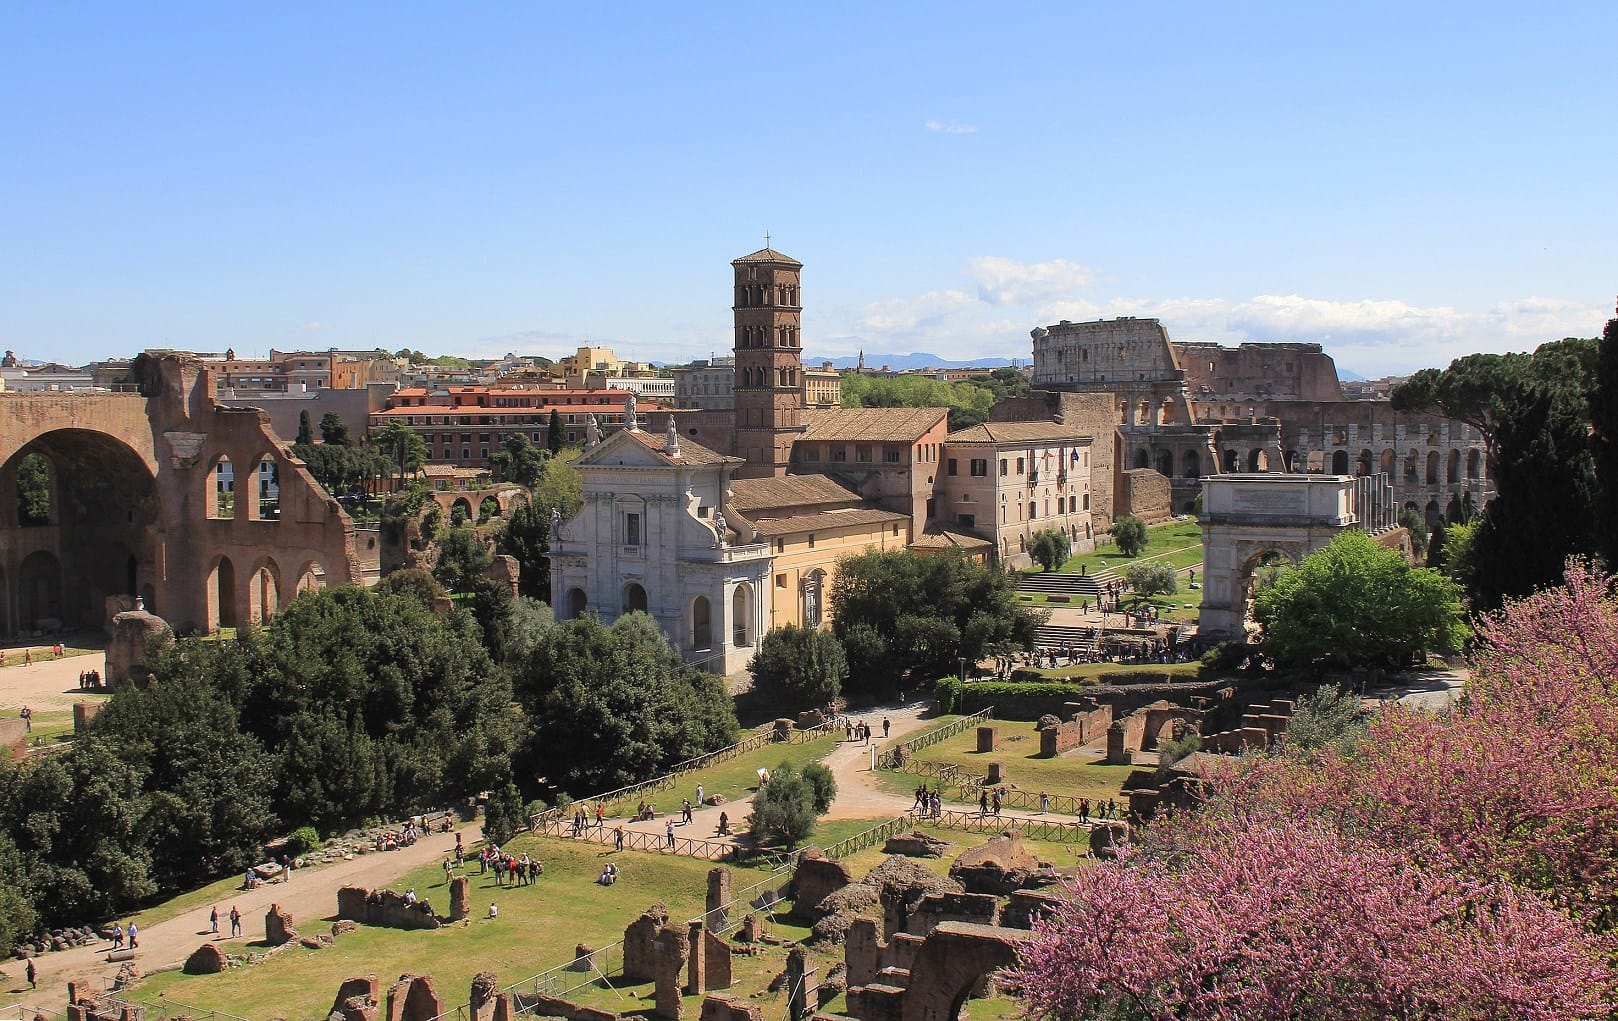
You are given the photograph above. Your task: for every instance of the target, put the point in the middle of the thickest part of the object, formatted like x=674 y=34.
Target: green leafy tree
x=1152 y=579
x=504 y=816
x=17 y=918
x=208 y=806
x=1327 y=718
x=528 y=538
x=615 y=705
x=822 y=783
x=1604 y=442
x=553 y=432
x=1412 y=521
x=414 y=582
x=561 y=487
x=1050 y=548
x=783 y=809
x=1129 y=533
x=33 y=491
x=800 y=666
x=1534 y=412
x=1435 y=545
x=306 y=429
x=333 y=430
x=904 y=616
x=1354 y=602
x=519 y=461
x=405 y=446
x=462 y=558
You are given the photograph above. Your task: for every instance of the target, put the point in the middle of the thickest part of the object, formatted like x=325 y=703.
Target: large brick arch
x=950 y=962
x=131 y=476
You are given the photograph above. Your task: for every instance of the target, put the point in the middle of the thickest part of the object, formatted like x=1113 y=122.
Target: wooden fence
x=895 y=757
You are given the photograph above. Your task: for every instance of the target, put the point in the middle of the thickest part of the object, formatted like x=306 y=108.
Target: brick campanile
x=769 y=362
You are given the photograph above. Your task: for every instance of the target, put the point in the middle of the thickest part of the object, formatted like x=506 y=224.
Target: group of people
x=89 y=680
x=522 y=871
x=235 y=921
x=859 y=730
x=929 y=803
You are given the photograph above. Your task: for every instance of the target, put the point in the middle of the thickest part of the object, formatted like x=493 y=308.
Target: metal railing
x=758 y=739
x=23 y=1012
x=891 y=758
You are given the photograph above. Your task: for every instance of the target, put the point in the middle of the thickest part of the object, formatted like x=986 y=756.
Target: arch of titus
x=159 y=493
x=1248 y=519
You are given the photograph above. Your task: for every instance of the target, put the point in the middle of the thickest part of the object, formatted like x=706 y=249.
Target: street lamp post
x=963 y=668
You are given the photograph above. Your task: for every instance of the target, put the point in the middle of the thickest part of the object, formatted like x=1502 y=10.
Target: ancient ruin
x=160 y=492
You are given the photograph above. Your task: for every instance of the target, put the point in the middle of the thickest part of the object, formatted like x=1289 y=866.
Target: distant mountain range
x=914 y=360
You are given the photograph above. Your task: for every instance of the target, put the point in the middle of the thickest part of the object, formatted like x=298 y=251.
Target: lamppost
x=963 y=668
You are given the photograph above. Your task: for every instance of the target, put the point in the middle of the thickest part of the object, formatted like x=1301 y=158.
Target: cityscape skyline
x=534 y=181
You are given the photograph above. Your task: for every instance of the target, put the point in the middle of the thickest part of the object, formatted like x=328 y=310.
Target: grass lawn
x=537 y=929
x=1073 y=773
x=1181 y=538
x=735 y=778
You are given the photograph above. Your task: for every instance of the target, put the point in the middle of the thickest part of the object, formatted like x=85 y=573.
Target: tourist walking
x=235 y=922
x=32 y=975
x=886 y=723
x=699 y=795
x=133 y=943
x=213 y=919
x=618 y=839
x=669 y=829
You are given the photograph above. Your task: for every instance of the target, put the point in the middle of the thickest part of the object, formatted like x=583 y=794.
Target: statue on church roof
x=631 y=422
x=671 y=442
x=592 y=430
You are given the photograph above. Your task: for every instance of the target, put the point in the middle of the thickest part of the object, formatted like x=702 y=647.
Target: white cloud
x=1003 y=281
x=313 y=326
x=1370 y=335
x=951 y=127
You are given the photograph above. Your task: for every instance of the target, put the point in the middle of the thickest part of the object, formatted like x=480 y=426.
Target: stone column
x=800 y=983
x=718 y=908
x=695 y=972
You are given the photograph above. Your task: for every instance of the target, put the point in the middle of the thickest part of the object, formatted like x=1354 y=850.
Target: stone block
x=640 y=944
x=207 y=959
x=1025 y=906
x=358 y=999
x=985 y=739
x=997 y=774
x=342 y=927
x=278 y=928
x=730 y=1008
x=997 y=867
x=672 y=947
x=715 y=962
x=717 y=911
x=384 y=908
x=413 y=998
x=915 y=844
x=583 y=958
x=695 y=960
x=460 y=898
x=874 y=1002
x=816 y=878
x=800 y=984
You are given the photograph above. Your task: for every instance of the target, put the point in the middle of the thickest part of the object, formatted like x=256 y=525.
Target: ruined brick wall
x=1147 y=494
x=1301 y=372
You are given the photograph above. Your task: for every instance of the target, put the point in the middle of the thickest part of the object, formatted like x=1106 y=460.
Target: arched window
x=222 y=595
x=634 y=598
x=576 y=603
x=312 y=578
x=814 y=590
x=1454 y=467
x=701 y=623
x=1389 y=462
x=1474 y=464
x=1339 y=462
x=1432 y=467
x=1143 y=458
x=266 y=489
x=1193 y=465
x=264 y=592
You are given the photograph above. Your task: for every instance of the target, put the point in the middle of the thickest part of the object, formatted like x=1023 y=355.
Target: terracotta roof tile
x=767 y=255
x=874 y=424
x=691 y=452
x=763 y=495
x=941 y=539
x=1018 y=432
x=830 y=519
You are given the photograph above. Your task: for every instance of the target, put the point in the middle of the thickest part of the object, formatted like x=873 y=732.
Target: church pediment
x=622 y=450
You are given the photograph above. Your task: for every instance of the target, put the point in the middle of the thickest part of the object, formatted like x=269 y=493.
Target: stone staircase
x=1077 y=587
x=1055 y=636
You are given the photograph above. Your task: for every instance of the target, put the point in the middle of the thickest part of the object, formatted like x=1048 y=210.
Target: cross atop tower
x=766 y=239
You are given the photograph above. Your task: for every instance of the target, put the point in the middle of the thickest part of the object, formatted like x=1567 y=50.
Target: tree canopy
x=800 y=667
x=33 y=490
x=618 y=703
x=1354 y=602
x=1534 y=412
x=1129 y=533
x=519 y=461
x=1049 y=548
x=903 y=615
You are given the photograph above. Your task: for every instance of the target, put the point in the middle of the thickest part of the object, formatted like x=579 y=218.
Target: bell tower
x=769 y=362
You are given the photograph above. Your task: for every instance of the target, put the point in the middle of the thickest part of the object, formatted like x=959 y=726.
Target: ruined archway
x=99 y=538
x=264 y=591
x=222 y=595
x=634 y=598
x=952 y=960
x=577 y=602
x=1339 y=462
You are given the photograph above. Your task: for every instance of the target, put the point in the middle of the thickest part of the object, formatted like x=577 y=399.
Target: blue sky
x=1400 y=182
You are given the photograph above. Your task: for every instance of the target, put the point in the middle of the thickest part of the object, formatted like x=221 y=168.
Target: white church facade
x=652 y=537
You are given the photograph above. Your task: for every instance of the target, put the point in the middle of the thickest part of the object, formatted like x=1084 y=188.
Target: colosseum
x=1194 y=409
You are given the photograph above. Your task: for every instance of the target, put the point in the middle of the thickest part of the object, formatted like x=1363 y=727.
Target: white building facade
x=651 y=536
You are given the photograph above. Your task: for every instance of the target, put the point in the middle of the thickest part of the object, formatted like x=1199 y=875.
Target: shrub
x=1129 y=532
x=824 y=785
x=784 y=809
x=503 y=816
x=302 y=840
x=1152 y=579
